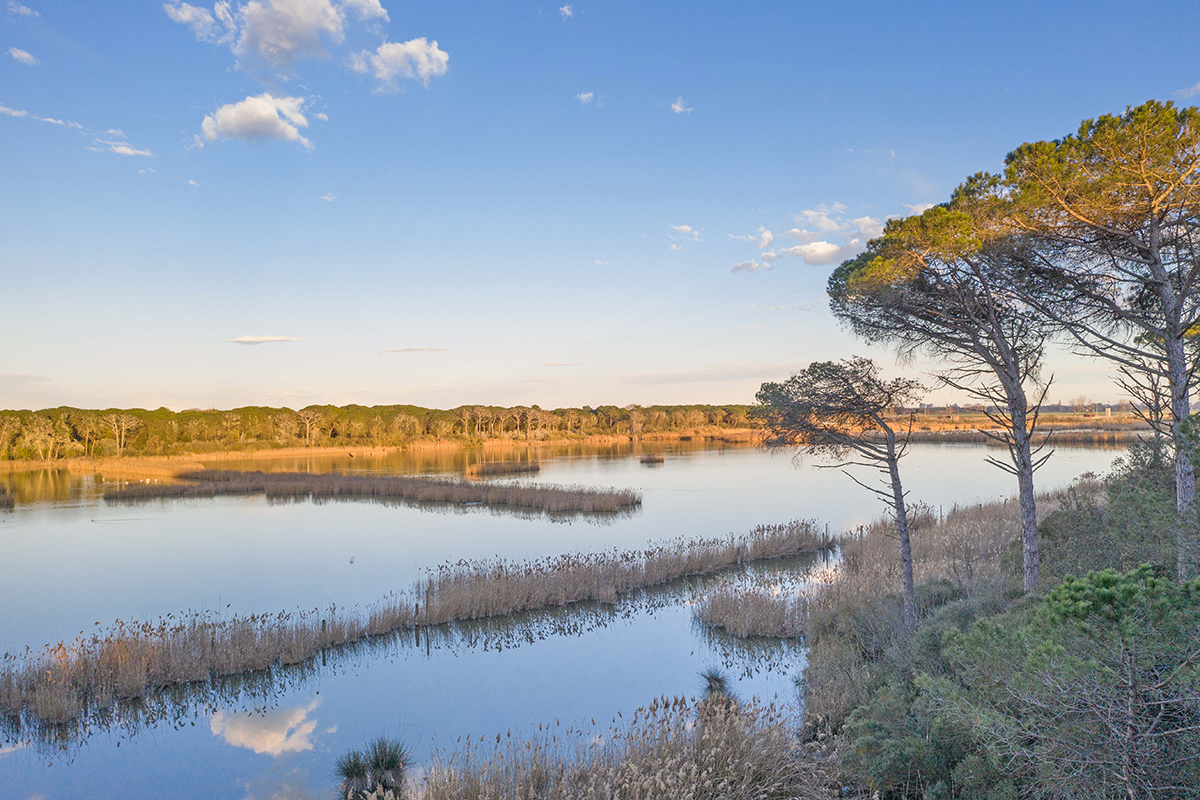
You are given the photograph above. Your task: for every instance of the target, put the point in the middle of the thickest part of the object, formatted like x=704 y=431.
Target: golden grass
x=279 y=485
x=669 y=750
x=70 y=680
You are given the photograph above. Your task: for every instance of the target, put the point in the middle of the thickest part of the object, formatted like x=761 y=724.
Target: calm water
x=69 y=561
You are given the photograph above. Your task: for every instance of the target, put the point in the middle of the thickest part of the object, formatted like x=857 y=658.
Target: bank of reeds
x=669 y=750
x=6 y=497
x=298 y=485
x=1099 y=437
x=652 y=458
x=488 y=469
x=773 y=610
x=70 y=680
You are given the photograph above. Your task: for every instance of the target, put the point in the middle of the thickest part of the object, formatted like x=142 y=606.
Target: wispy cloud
x=21 y=11
x=24 y=56
x=329 y=198
x=264 y=339
x=749 y=266
x=567 y=11
x=686 y=231
x=1191 y=91
x=416 y=349
x=680 y=107
x=192 y=183
x=921 y=208
x=12 y=112
x=120 y=148
x=585 y=97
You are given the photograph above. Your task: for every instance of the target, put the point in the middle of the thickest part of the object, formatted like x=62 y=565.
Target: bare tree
x=311 y=421
x=87 y=427
x=934 y=284
x=121 y=425
x=839 y=411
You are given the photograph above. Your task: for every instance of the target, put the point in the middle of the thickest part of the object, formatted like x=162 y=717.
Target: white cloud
x=1191 y=91
x=749 y=266
x=24 y=56
x=277 y=32
x=417 y=349
x=122 y=148
x=193 y=183
x=687 y=231
x=263 y=339
x=769 y=256
x=868 y=227
x=566 y=11
x=416 y=59
x=680 y=107
x=676 y=246
x=256 y=118
x=921 y=208
x=216 y=26
x=601 y=263
x=585 y=97
x=329 y=198
x=21 y=11
x=12 y=112
x=321 y=115
x=819 y=253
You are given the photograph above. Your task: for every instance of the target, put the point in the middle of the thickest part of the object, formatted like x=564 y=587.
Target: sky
x=285 y=202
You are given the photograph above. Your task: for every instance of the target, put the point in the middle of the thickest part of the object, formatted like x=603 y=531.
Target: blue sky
x=504 y=202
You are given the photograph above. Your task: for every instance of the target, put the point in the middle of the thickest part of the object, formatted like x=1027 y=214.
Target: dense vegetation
x=57 y=433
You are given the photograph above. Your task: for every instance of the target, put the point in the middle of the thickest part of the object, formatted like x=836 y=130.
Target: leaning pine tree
x=1111 y=218
x=842 y=411
x=940 y=284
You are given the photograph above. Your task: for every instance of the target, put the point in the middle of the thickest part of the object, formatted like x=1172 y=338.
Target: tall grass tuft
x=739 y=752
x=70 y=680
x=381 y=770
x=212 y=482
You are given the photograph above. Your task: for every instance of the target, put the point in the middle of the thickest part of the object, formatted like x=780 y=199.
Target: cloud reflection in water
x=275 y=732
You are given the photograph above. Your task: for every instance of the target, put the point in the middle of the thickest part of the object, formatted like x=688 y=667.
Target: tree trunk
x=906 y=562
x=1023 y=464
x=1186 y=539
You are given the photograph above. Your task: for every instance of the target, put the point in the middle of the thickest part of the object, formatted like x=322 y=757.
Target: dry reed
x=70 y=680
x=757 y=610
x=669 y=750
x=485 y=469
x=279 y=485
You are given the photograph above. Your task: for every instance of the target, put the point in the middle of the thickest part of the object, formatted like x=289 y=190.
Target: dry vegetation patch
x=286 y=485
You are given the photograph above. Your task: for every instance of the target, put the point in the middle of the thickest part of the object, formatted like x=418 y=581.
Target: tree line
x=57 y=433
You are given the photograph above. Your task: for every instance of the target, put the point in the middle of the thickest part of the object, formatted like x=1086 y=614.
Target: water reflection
x=243 y=710
x=274 y=732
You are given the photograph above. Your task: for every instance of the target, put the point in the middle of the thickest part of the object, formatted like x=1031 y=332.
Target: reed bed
x=487 y=469
x=772 y=610
x=297 y=485
x=670 y=750
x=652 y=458
x=70 y=680
x=6 y=497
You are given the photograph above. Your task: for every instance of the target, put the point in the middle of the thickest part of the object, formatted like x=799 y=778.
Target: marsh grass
x=669 y=750
x=755 y=609
x=487 y=469
x=276 y=485
x=93 y=673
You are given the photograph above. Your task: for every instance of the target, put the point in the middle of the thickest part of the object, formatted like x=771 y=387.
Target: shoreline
x=172 y=465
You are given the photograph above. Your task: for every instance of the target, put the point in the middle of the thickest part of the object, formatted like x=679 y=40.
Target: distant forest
x=58 y=433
